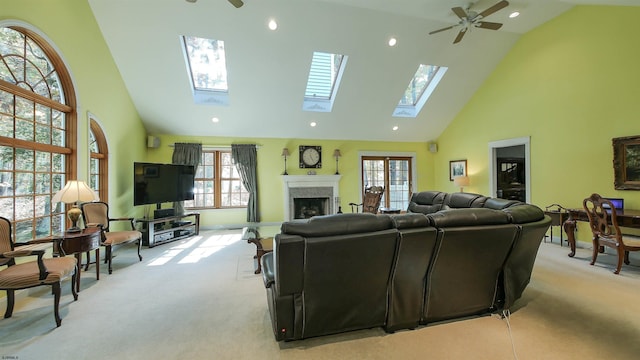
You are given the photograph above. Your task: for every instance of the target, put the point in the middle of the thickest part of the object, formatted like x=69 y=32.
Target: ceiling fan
x=236 y=3
x=469 y=18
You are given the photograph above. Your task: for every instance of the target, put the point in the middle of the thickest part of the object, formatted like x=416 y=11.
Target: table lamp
x=72 y=193
x=461 y=181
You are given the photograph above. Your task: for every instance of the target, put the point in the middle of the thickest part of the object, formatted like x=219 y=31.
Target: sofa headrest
x=525 y=213
x=468 y=217
x=464 y=200
x=428 y=197
x=337 y=224
x=423 y=209
x=499 y=204
x=409 y=220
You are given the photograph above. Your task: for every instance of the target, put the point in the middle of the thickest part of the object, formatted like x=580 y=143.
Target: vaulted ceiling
x=267 y=70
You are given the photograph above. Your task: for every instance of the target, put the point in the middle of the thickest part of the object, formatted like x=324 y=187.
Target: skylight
x=420 y=87
x=206 y=63
x=323 y=81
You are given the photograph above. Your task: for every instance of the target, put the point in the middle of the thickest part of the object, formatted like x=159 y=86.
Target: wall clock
x=310 y=157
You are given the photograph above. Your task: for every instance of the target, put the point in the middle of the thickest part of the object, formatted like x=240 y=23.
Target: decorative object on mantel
x=457 y=168
x=337 y=155
x=310 y=157
x=311 y=172
x=285 y=153
x=461 y=181
x=72 y=193
x=626 y=162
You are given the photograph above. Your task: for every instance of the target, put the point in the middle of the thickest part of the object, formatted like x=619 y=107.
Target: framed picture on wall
x=457 y=168
x=626 y=163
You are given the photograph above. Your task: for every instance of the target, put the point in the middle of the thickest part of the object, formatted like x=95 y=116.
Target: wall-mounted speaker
x=433 y=147
x=153 y=142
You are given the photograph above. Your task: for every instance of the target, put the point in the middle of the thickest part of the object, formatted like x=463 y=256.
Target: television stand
x=170 y=228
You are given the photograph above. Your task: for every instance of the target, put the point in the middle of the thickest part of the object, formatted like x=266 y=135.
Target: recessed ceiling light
x=215 y=119
x=514 y=14
x=313 y=124
x=395 y=128
x=273 y=24
x=393 y=41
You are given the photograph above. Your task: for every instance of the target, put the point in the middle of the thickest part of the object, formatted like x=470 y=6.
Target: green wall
x=72 y=29
x=572 y=85
x=271 y=167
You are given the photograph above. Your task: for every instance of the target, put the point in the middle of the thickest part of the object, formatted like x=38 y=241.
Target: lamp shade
x=336 y=153
x=461 y=181
x=285 y=152
x=74 y=191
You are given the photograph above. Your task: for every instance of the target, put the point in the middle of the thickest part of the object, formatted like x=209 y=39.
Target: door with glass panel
x=394 y=173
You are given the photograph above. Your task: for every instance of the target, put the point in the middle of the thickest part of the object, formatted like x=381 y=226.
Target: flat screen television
x=160 y=183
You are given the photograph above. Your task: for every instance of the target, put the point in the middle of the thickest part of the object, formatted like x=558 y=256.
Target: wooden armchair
x=604 y=226
x=371 y=201
x=51 y=271
x=97 y=214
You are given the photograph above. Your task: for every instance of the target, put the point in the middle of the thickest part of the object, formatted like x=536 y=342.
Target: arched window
x=37 y=132
x=98 y=167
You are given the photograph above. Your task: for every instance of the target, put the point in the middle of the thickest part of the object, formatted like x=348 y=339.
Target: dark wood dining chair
x=371 y=200
x=606 y=232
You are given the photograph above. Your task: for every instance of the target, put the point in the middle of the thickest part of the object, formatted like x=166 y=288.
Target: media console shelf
x=170 y=228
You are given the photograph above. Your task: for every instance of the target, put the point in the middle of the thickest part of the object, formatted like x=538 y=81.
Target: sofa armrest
x=268 y=275
x=526 y=213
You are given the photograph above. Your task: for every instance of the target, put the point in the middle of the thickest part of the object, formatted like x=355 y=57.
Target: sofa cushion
x=426 y=202
x=338 y=224
x=499 y=204
x=525 y=213
x=409 y=221
x=464 y=200
x=468 y=217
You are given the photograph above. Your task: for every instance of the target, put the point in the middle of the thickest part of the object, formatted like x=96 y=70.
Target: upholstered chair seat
x=27 y=275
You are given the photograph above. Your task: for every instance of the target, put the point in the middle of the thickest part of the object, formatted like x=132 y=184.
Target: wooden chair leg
x=594 y=254
x=139 y=247
x=620 y=260
x=626 y=258
x=108 y=258
x=73 y=288
x=10 y=302
x=56 y=302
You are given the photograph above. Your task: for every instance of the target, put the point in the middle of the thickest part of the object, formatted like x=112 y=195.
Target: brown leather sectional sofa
x=450 y=256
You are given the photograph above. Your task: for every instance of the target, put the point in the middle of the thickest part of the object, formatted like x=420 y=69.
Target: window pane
x=25 y=159
x=207 y=63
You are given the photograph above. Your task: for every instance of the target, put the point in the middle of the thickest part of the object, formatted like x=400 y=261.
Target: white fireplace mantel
x=298 y=181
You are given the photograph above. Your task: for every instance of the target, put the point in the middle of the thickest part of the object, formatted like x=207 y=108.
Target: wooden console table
x=77 y=243
x=626 y=218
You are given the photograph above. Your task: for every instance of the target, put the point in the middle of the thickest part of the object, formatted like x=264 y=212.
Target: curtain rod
x=216 y=147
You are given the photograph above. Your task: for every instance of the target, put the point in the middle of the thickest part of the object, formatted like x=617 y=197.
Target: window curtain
x=185 y=154
x=245 y=158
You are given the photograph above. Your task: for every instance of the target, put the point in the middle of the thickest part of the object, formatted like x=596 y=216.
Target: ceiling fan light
x=514 y=14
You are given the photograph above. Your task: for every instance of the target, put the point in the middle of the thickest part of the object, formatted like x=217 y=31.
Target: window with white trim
x=420 y=88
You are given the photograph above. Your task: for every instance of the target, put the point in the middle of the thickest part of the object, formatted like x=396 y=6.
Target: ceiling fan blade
x=488 y=25
x=443 y=29
x=460 y=12
x=236 y=3
x=501 y=5
x=460 y=35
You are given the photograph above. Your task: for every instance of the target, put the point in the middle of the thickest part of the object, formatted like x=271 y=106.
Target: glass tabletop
x=258 y=231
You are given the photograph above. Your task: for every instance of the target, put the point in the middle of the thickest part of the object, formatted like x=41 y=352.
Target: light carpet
x=199 y=299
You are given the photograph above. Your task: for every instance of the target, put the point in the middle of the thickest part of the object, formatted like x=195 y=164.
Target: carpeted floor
x=199 y=299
